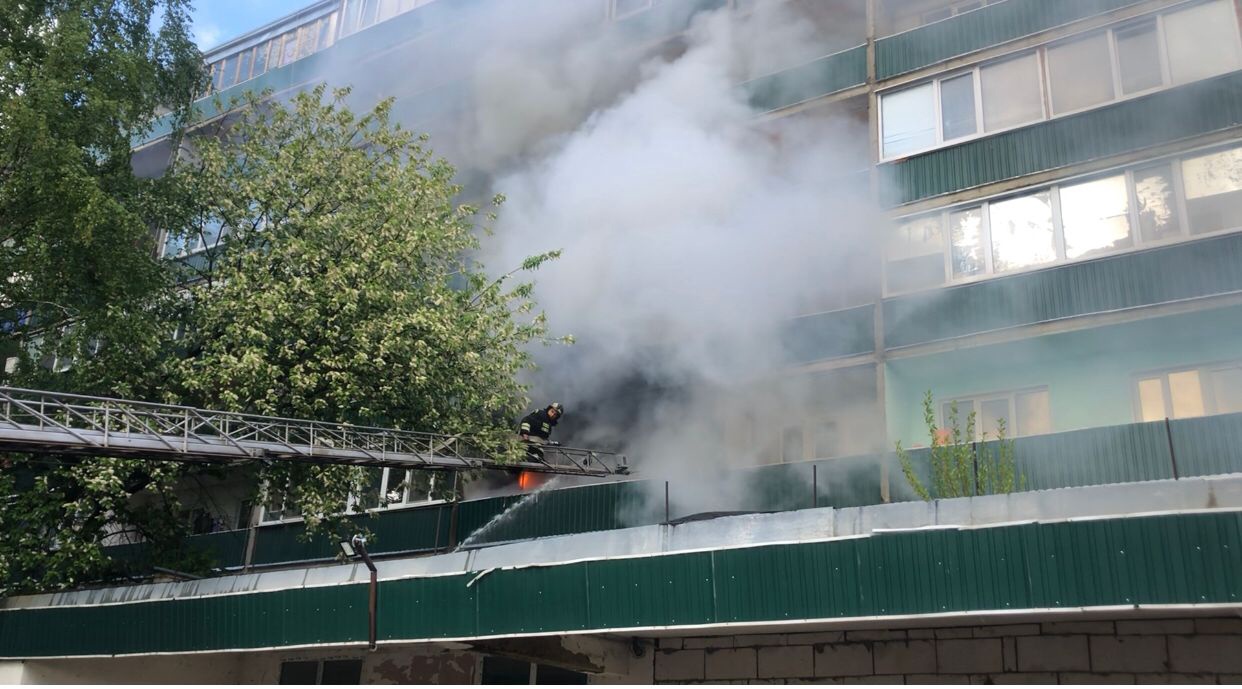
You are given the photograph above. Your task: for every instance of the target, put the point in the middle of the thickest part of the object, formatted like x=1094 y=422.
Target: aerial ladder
x=36 y=421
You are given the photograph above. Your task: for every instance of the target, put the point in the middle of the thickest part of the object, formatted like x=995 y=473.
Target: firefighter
x=536 y=429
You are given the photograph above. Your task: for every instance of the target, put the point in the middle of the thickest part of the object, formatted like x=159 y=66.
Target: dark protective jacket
x=537 y=424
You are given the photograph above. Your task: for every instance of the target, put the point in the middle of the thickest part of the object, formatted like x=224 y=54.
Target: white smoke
x=691 y=233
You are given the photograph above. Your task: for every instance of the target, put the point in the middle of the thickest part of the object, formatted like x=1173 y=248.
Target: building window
x=957 y=106
x=1022 y=232
x=1189 y=393
x=909 y=120
x=1138 y=57
x=1023 y=412
x=916 y=254
x=1011 y=94
x=1095 y=216
x=792 y=449
x=1146 y=205
x=1213 y=185
x=968 y=243
x=497 y=670
x=1082 y=72
x=342 y=671
x=1202 y=41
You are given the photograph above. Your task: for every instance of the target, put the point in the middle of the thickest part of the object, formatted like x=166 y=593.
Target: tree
x=956 y=465
x=79 y=80
x=342 y=291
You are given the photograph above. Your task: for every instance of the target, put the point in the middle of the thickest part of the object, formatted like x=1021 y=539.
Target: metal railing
x=41 y=421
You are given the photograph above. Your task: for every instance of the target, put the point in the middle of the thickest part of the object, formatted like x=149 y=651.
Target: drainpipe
x=357 y=547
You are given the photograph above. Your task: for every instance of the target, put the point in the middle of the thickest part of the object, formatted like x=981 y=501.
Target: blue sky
x=216 y=21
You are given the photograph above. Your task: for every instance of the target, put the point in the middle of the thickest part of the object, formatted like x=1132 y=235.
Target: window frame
x=1140 y=242
x=977 y=400
x=1045 y=82
x=1206 y=390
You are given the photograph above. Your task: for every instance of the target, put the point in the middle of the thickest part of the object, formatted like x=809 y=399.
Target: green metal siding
x=1183 y=271
x=1208 y=445
x=1178 y=113
x=831 y=335
x=1170 y=559
x=988 y=26
x=821 y=77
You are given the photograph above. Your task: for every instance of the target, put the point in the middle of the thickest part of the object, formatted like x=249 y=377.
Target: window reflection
x=966 y=230
x=1022 y=232
x=1157 y=208
x=916 y=254
x=1213 y=190
x=1095 y=216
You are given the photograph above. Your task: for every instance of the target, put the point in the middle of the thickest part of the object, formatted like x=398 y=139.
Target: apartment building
x=1061 y=187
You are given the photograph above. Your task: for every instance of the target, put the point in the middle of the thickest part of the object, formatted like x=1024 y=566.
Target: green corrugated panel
x=1178 y=113
x=428 y=607
x=283 y=543
x=1168 y=559
x=971 y=31
x=1093 y=456
x=1208 y=445
x=555 y=512
x=821 y=77
x=414 y=529
x=534 y=600
x=1170 y=273
x=639 y=592
x=831 y=335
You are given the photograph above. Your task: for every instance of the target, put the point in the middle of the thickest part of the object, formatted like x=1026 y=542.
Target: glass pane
x=289 y=51
x=1138 y=51
x=991 y=412
x=1202 y=41
x=307 y=35
x=1157 y=209
x=1011 y=93
x=260 y=59
x=1022 y=232
x=342 y=672
x=826 y=440
x=1034 y=413
x=1227 y=386
x=966 y=233
x=1151 y=399
x=1080 y=73
x=1186 y=393
x=1213 y=190
x=909 y=120
x=1095 y=216
x=915 y=254
x=957 y=106
x=174 y=244
x=327 y=31
x=299 y=672
x=791 y=444
x=366 y=15
x=243 y=66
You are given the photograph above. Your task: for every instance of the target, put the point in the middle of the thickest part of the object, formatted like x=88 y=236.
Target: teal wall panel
x=1183 y=271
x=997 y=23
x=1208 y=445
x=820 y=77
x=830 y=335
x=1177 y=113
x=1154 y=560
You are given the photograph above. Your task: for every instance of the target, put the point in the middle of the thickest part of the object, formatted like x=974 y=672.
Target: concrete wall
x=1184 y=651
x=1089 y=373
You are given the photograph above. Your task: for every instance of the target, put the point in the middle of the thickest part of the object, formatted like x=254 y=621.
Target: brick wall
x=1184 y=651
